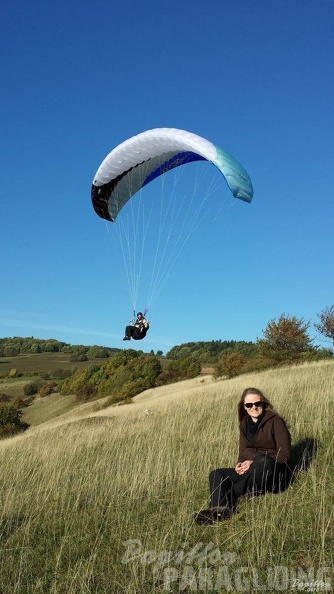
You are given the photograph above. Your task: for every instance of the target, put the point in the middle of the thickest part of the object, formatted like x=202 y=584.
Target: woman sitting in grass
x=262 y=466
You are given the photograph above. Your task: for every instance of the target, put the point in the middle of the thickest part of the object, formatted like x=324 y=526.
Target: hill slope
x=101 y=501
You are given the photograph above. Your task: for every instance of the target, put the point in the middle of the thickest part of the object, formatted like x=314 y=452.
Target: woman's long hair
x=241 y=408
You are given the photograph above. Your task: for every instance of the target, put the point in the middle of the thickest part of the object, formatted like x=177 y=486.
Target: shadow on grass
x=304 y=452
x=302 y=456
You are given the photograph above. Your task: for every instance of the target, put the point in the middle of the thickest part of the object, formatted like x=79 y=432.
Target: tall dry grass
x=105 y=503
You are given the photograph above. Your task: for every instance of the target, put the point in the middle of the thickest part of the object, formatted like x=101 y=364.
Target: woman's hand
x=243 y=467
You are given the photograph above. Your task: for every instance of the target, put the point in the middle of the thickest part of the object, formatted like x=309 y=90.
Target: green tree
x=285 y=340
x=326 y=324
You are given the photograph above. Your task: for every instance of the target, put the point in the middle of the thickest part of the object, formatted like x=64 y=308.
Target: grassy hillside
x=102 y=501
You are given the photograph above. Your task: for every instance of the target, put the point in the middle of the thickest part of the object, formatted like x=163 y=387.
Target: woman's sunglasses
x=257 y=404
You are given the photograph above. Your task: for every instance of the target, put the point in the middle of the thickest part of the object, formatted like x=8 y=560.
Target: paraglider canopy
x=142 y=158
x=153 y=230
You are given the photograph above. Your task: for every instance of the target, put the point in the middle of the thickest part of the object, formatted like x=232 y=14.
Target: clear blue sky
x=256 y=78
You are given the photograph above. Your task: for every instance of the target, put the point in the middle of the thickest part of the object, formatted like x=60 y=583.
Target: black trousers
x=264 y=475
x=135 y=333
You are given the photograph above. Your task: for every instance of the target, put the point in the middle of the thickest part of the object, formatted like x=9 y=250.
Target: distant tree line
x=11 y=347
x=209 y=352
x=206 y=352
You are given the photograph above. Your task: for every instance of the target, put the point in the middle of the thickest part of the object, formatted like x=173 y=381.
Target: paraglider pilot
x=137 y=329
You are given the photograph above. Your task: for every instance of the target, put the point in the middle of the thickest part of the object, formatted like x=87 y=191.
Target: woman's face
x=256 y=409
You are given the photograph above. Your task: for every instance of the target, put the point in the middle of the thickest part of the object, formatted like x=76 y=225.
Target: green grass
x=80 y=492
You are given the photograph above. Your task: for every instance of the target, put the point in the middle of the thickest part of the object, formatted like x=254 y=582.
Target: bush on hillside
x=78 y=357
x=61 y=373
x=257 y=364
x=131 y=389
x=127 y=373
x=86 y=392
x=178 y=370
x=32 y=388
x=10 y=420
x=47 y=389
x=230 y=365
x=185 y=368
x=24 y=402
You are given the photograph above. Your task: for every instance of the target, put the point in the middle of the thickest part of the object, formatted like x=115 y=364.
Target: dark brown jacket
x=272 y=438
